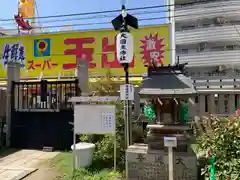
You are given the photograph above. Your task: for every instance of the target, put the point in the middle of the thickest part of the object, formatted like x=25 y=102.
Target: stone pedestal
x=156 y=134
x=150 y=161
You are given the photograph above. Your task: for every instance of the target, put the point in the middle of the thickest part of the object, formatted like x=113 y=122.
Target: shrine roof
x=167 y=81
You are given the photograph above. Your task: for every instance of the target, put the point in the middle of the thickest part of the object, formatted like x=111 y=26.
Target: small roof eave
x=167 y=92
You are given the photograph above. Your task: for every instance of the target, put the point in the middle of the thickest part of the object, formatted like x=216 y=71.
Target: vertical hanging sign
x=124 y=48
x=127 y=92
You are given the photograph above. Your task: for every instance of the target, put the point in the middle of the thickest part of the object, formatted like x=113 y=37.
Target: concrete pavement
x=19 y=164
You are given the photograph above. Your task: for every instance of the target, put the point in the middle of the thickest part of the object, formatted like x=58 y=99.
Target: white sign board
x=127 y=92
x=94 y=119
x=124 y=47
x=170 y=141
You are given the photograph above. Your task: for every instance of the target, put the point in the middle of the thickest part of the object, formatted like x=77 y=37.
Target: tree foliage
x=222 y=137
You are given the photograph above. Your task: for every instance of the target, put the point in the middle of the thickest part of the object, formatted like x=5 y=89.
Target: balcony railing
x=208 y=34
x=208 y=10
x=213 y=58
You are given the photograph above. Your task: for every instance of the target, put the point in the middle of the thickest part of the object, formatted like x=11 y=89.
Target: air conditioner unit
x=222 y=68
x=220 y=21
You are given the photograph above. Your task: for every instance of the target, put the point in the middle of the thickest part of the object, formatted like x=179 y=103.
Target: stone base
x=157 y=132
x=143 y=165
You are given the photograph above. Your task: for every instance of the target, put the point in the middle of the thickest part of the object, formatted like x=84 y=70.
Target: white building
x=208 y=38
x=208 y=32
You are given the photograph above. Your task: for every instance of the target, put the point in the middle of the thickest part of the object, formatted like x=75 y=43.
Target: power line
x=93 y=13
x=114 y=11
x=92 y=17
x=107 y=12
x=108 y=22
x=106 y=16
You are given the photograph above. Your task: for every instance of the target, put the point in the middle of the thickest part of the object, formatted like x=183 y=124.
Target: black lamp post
x=121 y=23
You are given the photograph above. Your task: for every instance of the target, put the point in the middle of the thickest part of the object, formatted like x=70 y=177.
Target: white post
x=115 y=154
x=170 y=162
x=171 y=14
x=170 y=142
x=74 y=148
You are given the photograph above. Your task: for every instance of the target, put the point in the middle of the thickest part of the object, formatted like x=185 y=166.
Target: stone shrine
x=169 y=89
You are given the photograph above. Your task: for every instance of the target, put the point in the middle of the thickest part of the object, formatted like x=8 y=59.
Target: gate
x=41 y=114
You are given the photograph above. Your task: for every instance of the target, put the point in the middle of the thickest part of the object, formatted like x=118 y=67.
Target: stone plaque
x=156 y=169
x=182 y=171
x=154 y=166
x=132 y=170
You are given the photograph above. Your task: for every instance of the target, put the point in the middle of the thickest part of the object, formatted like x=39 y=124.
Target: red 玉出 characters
x=79 y=51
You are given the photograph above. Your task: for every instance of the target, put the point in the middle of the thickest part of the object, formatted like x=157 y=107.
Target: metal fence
x=43 y=95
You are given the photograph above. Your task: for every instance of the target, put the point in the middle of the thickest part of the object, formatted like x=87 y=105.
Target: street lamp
x=125 y=53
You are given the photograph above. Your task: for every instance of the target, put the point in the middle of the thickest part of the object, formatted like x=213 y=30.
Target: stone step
x=47 y=149
x=161 y=136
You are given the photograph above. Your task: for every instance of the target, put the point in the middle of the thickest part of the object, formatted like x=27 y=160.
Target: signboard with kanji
x=102 y=121
x=57 y=54
x=124 y=45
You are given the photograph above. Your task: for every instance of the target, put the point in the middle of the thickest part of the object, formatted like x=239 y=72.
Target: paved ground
x=21 y=163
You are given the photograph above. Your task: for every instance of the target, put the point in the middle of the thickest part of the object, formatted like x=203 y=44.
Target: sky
x=60 y=7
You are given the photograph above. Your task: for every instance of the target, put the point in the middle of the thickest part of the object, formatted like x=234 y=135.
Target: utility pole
x=171 y=15
x=124 y=44
x=125 y=56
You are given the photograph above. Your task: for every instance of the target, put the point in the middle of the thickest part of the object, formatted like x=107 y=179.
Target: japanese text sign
x=124 y=45
x=57 y=54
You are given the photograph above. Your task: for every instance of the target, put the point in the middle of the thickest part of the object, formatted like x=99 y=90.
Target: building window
x=190 y=27
x=230 y=47
x=217 y=48
x=184 y=51
x=206 y=25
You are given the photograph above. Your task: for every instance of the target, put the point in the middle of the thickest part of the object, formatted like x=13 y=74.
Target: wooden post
x=136 y=102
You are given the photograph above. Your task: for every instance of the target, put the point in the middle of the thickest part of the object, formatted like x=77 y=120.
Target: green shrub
x=222 y=137
x=83 y=174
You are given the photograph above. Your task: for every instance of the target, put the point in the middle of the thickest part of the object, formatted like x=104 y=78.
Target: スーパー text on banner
x=54 y=54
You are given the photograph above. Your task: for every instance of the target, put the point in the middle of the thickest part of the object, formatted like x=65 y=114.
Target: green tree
x=222 y=137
